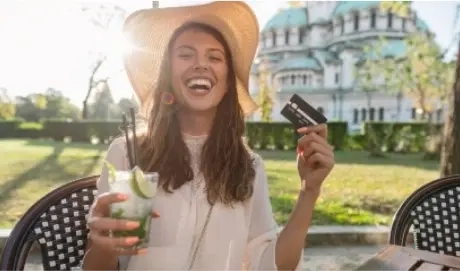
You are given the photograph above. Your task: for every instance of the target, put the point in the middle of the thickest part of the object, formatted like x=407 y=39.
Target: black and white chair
x=57 y=225
x=432 y=212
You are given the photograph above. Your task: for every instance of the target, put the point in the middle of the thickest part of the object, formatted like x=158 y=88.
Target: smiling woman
x=210 y=182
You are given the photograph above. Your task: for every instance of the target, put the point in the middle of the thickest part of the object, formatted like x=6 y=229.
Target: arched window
x=414 y=113
x=356 y=21
x=363 y=114
x=373 y=18
x=381 y=114
x=273 y=38
x=390 y=19
x=355 y=116
x=286 y=37
x=371 y=114
x=301 y=34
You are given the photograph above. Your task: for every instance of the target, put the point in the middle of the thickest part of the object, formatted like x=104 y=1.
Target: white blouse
x=242 y=237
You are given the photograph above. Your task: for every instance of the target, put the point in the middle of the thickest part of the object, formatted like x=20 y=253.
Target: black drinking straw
x=133 y=120
x=128 y=146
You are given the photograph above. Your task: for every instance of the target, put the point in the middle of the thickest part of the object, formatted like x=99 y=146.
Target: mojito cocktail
x=141 y=190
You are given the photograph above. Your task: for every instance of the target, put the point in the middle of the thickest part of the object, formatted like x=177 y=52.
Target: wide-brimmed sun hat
x=149 y=31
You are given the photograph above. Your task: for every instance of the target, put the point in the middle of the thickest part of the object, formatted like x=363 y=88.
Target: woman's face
x=198 y=70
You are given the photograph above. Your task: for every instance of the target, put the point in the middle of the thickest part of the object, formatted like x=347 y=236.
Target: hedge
x=392 y=135
x=260 y=135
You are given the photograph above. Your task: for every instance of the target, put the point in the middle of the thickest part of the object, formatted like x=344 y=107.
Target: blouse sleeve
x=116 y=156
x=263 y=230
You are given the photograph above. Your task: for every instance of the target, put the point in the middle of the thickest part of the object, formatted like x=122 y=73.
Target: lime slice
x=140 y=186
x=111 y=170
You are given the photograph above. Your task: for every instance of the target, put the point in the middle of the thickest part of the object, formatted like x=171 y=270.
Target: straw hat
x=150 y=31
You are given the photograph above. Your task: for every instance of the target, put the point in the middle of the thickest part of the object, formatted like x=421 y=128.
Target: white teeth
x=202 y=82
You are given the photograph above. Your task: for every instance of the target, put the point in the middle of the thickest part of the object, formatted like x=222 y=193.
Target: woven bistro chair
x=432 y=212
x=57 y=224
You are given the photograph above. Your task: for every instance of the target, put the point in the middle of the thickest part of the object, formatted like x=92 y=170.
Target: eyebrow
x=191 y=48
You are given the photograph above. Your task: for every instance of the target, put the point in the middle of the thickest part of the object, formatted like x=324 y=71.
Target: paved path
x=317 y=258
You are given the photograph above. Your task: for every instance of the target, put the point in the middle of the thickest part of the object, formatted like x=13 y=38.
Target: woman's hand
x=100 y=224
x=315 y=157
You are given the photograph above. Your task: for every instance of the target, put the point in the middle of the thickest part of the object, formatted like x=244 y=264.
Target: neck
x=195 y=124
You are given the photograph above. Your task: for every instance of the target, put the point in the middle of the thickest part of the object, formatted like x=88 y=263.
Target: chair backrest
x=57 y=222
x=433 y=212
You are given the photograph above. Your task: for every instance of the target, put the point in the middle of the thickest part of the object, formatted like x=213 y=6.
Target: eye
x=185 y=55
x=215 y=58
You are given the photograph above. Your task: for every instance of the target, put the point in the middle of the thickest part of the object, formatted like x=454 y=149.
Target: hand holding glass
x=141 y=189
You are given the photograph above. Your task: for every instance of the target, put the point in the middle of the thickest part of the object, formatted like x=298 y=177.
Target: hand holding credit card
x=302 y=114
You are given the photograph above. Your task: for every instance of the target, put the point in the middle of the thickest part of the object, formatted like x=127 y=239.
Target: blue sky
x=45 y=43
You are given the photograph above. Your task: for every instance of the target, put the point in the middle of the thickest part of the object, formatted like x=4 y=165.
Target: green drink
x=141 y=190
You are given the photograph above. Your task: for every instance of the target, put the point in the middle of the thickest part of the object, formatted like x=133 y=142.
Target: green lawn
x=360 y=190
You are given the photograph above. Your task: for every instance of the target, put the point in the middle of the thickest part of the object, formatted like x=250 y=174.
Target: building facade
x=313 y=50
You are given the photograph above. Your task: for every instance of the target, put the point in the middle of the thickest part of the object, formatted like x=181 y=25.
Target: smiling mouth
x=200 y=85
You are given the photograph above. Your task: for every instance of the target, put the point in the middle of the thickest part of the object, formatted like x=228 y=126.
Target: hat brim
x=150 y=30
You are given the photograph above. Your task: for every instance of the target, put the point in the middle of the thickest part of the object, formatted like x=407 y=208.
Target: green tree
x=421 y=74
x=369 y=80
x=7 y=107
x=49 y=104
x=103 y=107
x=265 y=96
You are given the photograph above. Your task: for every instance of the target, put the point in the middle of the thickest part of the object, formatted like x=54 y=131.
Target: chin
x=198 y=109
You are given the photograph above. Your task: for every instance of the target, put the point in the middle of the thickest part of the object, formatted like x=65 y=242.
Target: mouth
x=199 y=86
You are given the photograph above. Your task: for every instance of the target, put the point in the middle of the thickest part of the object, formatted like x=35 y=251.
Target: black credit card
x=302 y=114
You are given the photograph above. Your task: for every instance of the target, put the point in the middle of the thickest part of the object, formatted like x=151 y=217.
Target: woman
x=190 y=70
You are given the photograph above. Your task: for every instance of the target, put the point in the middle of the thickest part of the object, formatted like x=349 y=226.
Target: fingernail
x=131 y=240
x=122 y=196
x=133 y=224
x=302 y=130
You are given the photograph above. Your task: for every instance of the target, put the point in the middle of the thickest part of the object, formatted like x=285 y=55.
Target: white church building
x=312 y=50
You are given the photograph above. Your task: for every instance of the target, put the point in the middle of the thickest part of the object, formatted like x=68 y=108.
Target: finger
x=307 y=139
x=106 y=223
x=113 y=243
x=315 y=147
x=319 y=160
x=155 y=214
x=103 y=201
x=320 y=129
x=131 y=251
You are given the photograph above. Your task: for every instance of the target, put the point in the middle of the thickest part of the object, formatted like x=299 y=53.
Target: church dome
x=345 y=7
x=290 y=17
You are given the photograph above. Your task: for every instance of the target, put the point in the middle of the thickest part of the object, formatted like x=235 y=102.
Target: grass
x=359 y=191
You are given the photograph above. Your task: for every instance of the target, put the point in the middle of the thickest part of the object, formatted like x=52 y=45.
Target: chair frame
x=19 y=243
x=402 y=221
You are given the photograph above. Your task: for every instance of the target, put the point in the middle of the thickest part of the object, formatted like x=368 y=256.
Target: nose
x=201 y=64
x=200 y=67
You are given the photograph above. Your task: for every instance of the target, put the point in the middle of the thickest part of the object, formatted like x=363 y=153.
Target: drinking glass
x=138 y=206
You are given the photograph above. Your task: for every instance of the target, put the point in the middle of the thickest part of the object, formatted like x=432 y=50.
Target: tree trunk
x=450 y=155
x=84 y=111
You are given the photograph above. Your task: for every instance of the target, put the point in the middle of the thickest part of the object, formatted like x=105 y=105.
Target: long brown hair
x=226 y=161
